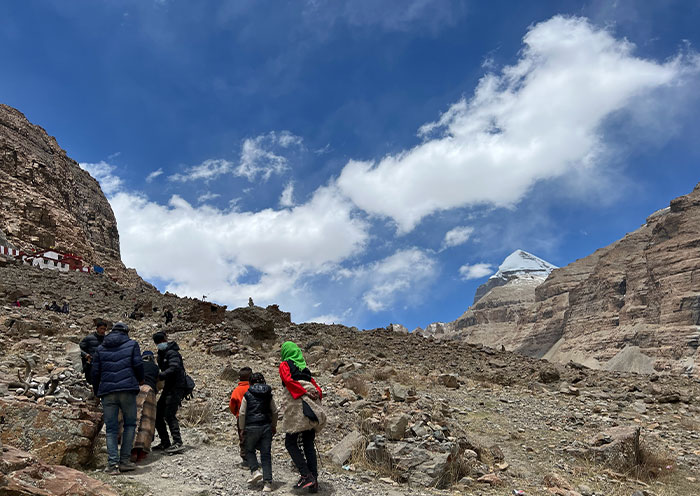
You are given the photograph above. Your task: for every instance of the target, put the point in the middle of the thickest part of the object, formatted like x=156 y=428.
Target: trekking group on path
x=127 y=382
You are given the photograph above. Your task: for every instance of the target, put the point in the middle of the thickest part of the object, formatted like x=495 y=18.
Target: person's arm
x=273 y=415
x=84 y=347
x=234 y=403
x=137 y=363
x=294 y=387
x=174 y=364
x=318 y=389
x=96 y=371
x=242 y=413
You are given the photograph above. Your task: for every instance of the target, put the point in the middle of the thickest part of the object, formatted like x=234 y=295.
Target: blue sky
x=357 y=162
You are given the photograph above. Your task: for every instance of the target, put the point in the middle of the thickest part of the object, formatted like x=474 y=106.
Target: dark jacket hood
x=260 y=389
x=172 y=345
x=114 y=339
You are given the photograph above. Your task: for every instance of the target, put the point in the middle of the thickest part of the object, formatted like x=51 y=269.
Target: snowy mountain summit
x=518 y=265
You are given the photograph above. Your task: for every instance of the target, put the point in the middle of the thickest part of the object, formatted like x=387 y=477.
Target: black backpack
x=188 y=392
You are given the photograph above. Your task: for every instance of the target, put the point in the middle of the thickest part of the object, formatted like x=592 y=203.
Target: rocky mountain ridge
x=640 y=293
x=48 y=201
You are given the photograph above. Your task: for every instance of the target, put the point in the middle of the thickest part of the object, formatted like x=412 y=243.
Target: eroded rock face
x=49 y=201
x=55 y=434
x=643 y=291
x=23 y=474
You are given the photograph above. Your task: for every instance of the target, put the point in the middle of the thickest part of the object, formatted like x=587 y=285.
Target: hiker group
x=127 y=382
x=257 y=415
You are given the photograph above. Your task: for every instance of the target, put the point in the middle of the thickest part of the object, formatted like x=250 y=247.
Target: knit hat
x=159 y=337
x=121 y=326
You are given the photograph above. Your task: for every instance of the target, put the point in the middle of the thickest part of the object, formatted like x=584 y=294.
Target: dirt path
x=209 y=470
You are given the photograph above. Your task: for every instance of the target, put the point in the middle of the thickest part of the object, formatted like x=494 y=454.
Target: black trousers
x=305 y=462
x=166 y=417
x=259 y=438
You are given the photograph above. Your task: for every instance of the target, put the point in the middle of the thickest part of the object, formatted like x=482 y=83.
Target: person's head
x=244 y=373
x=120 y=327
x=257 y=378
x=161 y=340
x=101 y=327
x=289 y=349
x=147 y=356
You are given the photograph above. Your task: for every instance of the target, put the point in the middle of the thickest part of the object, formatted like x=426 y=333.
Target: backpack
x=187 y=392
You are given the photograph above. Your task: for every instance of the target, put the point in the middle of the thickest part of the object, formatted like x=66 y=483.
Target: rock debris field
x=407 y=414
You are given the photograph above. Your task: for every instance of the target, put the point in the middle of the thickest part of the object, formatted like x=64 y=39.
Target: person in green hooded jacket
x=303 y=415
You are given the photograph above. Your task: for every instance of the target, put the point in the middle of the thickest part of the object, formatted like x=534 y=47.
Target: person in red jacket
x=303 y=415
x=234 y=405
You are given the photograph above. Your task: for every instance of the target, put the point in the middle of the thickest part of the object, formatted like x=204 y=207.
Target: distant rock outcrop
x=48 y=201
x=641 y=293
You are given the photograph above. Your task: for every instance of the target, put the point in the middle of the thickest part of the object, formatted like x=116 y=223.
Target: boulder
x=57 y=434
x=342 y=452
x=22 y=474
x=449 y=380
x=396 y=427
x=617 y=447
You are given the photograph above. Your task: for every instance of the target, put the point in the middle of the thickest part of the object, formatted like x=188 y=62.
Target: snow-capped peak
x=522 y=262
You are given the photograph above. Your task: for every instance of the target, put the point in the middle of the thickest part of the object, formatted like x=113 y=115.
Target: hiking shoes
x=255 y=477
x=112 y=470
x=313 y=488
x=160 y=447
x=127 y=466
x=174 y=448
x=267 y=488
x=306 y=482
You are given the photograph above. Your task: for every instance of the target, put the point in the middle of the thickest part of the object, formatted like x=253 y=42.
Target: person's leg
x=172 y=403
x=128 y=405
x=241 y=444
x=110 y=408
x=291 y=443
x=252 y=435
x=161 y=428
x=265 y=447
x=308 y=438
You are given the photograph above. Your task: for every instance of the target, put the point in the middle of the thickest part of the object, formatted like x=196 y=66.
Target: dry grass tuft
x=195 y=413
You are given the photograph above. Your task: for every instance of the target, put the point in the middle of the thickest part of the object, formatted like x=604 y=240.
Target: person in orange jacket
x=234 y=405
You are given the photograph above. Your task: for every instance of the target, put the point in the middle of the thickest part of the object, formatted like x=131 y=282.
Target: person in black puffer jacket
x=172 y=371
x=89 y=345
x=258 y=421
x=117 y=372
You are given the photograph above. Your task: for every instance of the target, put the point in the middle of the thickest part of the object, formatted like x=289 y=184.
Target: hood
x=115 y=339
x=172 y=345
x=260 y=389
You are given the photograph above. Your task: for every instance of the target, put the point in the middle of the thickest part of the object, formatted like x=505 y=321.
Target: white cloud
x=103 y=172
x=386 y=280
x=457 y=236
x=154 y=175
x=207 y=197
x=476 y=271
x=287 y=197
x=262 y=156
x=207 y=170
x=259 y=157
x=538 y=119
x=204 y=250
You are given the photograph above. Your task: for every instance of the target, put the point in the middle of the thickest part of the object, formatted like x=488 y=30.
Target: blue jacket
x=117 y=366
